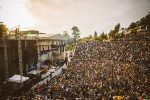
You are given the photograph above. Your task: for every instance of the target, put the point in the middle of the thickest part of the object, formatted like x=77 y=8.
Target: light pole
x=37 y=45
x=59 y=51
x=20 y=54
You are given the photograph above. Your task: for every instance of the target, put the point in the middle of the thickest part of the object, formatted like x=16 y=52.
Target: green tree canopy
x=95 y=34
x=117 y=28
x=103 y=36
x=132 y=25
x=113 y=34
x=90 y=36
x=75 y=33
x=65 y=33
x=3 y=29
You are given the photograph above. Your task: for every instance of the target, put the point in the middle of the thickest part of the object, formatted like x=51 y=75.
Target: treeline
x=143 y=23
x=116 y=33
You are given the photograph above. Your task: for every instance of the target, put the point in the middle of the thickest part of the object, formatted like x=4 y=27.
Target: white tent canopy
x=18 y=79
x=34 y=72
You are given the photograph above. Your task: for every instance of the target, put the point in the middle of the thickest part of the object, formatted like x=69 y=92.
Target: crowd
x=141 y=35
x=116 y=70
x=104 y=70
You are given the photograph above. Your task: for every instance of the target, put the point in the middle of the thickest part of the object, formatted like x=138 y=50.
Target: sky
x=56 y=16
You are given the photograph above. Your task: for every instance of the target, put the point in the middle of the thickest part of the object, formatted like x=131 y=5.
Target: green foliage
x=3 y=28
x=95 y=38
x=119 y=35
x=86 y=39
x=98 y=39
x=103 y=36
x=117 y=28
x=70 y=46
x=122 y=35
x=76 y=38
x=111 y=34
x=114 y=34
x=95 y=34
x=132 y=25
x=76 y=34
x=90 y=36
x=134 y=30
x=143 y=22
x=65 y=34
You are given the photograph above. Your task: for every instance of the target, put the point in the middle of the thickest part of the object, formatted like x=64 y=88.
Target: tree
x=103 y=36
x=3 y=29
x=119 y=35
x=90 y=36
x=143 y=22
x=148 y=22
x=95 y=34
x=65 y=34
x=111 y=34
x=114 y=33
x=76 y=34
x=117 y=28
x=132 y=25
x=67 y=37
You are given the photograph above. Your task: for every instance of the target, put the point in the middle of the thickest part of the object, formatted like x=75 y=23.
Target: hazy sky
x=56 y=16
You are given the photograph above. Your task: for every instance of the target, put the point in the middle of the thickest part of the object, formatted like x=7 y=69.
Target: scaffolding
x=5 y=55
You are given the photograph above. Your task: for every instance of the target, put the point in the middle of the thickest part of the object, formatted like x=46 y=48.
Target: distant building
x=30 y=32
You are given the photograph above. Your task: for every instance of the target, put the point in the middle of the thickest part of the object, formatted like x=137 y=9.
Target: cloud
x=88 y=15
